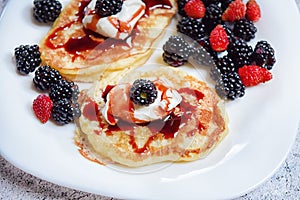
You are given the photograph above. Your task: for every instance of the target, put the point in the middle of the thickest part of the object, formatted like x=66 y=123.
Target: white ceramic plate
x=263 y=124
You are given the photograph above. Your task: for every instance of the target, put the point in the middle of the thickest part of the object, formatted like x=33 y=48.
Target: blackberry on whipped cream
x=123 y=108
x=119 y=25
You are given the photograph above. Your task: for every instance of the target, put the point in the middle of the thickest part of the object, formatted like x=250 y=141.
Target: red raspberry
x=195 y=9
x=236 y=10
x=253 y=11
x=252 y=75
x=218 y=39
x=42 y=107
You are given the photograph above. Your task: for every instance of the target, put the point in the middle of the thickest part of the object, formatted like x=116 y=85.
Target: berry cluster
x=222 y=30
x=61 y=103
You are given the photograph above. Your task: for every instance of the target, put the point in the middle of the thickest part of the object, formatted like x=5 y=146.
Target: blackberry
x=46 y=10
x=244 y=29
x=191 y=27
x=208 y=2
x=200 y=56
x=106 y=8
x=225 y=4
x=224 y=65
x=228 y=28
x=45 y=77
x=230 y=86
x=27 y=58
x=64 y=89
x=64 y=111
x=263 y=55
x=143 y=92
x=213 y=17
x=176 y=51
x=240 y=52
x=181 y=4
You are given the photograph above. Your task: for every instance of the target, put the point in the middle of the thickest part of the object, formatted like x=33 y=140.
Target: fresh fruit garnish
x=194 y=28
x=46 y=10
x=200 y=56
x=240 y=52
x=236 y=10
x=264 y=55
x=45 y=77
x=213 y=17
x=224 y=32
x=244 y=29
x=204 y=42
x=253 y=11
x=176 y=51
x=106 y=8
x=194 y=9
x=224 y=65
x=27 y=58
x=64 y=111
x=143 y=92
x=180 y=5
x=229 y=86
x=219 y=39
x=252 y=75
x=42 y=107
x=64 y=89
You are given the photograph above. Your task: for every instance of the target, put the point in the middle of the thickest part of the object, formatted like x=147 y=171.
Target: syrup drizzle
x=153 y=4
x=75 y=45
x=169 y=126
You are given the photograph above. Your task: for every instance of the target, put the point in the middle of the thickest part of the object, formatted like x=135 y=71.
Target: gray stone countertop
x=16 y=184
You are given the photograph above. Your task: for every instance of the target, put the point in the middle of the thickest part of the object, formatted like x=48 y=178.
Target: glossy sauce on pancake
x=168 y=126
x=197 y=124
x=78 y=52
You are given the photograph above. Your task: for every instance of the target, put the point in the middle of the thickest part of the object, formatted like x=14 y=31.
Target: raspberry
x=253 y=11
x=252 y=75
x=236 y=10
x=194 y=9
x=42 y=107
x=218 y=39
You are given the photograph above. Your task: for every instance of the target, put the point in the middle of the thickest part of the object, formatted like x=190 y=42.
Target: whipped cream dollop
x=119 y=106
x=119 y=25
x=163 y=105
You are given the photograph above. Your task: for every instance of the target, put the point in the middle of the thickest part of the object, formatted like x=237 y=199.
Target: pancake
x=80 y=54
x=193 y=128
